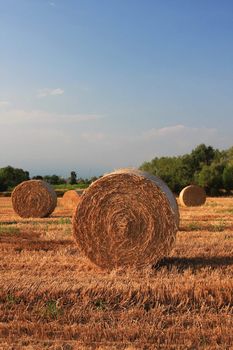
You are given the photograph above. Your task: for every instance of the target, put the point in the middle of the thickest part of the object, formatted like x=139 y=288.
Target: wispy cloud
x=4 y=103
x=165 y=131
x=49 y=92
x=175 y=130
x=52 y=3
x=39 y=117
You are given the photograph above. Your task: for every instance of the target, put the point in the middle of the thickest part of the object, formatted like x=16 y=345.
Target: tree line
x=204 y=166
x=11 y=177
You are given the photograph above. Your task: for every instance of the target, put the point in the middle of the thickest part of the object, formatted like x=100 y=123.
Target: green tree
x=228 y=156
x=93 y=179
x=203 y=155
x=37 y=177
x=10 y=177
x=3 y=187
x=210 y=177
x=192 y=168
x=177 y=172
x=73 y=178
x=54 y=179
x=227 y=178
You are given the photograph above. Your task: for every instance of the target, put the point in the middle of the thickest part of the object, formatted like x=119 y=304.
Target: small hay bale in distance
x=192 y=196
x=127 y=218
x=34 y=199
x=70 y=199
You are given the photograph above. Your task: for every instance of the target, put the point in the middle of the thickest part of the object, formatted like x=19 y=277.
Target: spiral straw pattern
x=34 y=199
x=126 y=218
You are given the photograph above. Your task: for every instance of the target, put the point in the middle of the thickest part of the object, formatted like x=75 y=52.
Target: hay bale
x=126 y=218
x=70 y=199
x=34 y=199
x=192 y=196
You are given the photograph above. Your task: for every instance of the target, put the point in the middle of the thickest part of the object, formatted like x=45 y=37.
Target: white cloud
x=51 y=3
x=168 y=130
x=178 y=130
x=4 y=103
x=49 y=92
x=40 y=117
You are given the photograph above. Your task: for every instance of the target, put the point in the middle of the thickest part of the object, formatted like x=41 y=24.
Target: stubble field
x=51 y=297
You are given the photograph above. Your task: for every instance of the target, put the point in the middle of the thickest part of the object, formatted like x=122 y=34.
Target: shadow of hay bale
x=194 y=263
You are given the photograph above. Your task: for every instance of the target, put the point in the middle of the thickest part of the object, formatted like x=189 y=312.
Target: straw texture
x=126 y=218
x=70 y=199
x=34 y=199
x=192 y=196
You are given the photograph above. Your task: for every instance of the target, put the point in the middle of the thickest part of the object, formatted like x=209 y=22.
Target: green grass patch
x=64 y=221
x=11 y=230
x=67 y=187
x=226 y=211
x=100 y=304
x=212 y=204
x=12 y=299
x=193 y=226
x=51 y=310
x=219 y=227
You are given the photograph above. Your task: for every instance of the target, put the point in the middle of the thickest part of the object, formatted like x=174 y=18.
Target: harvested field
x=52 y=297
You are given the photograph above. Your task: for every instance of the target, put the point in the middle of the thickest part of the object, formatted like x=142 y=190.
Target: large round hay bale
x=34 y=199
x=192 y=196
x=126 y=218
x=70 y=199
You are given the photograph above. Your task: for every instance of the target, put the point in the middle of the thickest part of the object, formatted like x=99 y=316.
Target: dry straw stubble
x=70 y=199
x=126 y=218
x=192 y=196
x=34 y=199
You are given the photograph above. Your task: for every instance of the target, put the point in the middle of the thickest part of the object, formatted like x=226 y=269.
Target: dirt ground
x=51 y=297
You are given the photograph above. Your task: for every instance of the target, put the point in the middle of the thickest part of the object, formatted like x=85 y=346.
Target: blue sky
x=94 y=85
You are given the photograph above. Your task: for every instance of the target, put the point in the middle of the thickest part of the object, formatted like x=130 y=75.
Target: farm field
x=51 y=297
